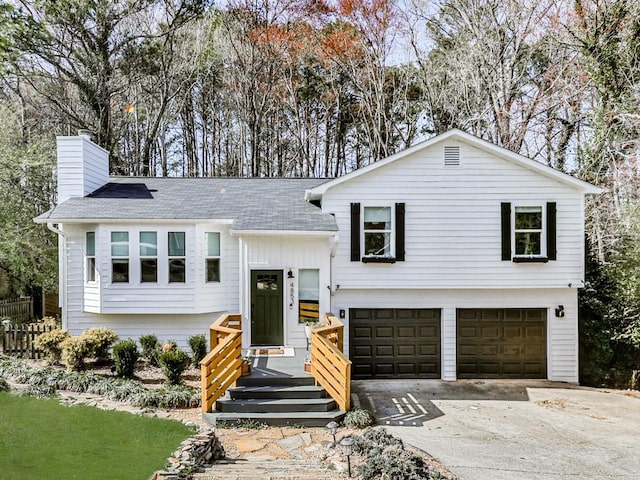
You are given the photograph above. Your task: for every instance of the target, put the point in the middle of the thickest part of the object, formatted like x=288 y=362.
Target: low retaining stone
x=194 y=455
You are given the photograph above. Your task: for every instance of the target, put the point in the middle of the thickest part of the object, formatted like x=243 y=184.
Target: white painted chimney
x=83 y=166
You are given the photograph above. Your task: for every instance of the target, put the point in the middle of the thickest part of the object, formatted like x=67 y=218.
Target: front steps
x=278 y=400
x=265 y=470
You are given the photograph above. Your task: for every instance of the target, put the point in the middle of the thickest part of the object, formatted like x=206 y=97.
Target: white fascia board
x=284 y=233
x=144 y=221
x=455 y=134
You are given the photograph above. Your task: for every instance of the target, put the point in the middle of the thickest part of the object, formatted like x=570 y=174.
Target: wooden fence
x=19 y=310
x=19 y=340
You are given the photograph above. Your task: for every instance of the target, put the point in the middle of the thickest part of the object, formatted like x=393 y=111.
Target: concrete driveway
x=506 y=430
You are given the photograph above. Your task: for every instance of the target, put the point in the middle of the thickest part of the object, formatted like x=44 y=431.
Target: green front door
x=266 y=307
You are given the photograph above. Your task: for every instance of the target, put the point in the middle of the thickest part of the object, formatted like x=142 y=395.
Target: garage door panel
x=384 y=350
x=406 y=332
x=383 y=332
x=362 y=351
x=362 y=332
x=501 y=343
x=402 y=343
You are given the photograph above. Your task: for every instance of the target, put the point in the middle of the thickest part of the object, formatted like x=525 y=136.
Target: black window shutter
x=400 y=232
x=551 y=231
x=505 y=211
x=355 y=232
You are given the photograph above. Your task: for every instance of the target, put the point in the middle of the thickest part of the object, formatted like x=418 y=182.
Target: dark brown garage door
x=388 y=343
x=501 y=343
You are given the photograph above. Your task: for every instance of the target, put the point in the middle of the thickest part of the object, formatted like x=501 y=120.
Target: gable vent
x=451 y=156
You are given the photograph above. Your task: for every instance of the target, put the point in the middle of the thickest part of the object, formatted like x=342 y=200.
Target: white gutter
x=62 y=274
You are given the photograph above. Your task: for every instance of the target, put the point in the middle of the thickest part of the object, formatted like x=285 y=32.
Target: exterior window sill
x=378 y=260
x=530 y=260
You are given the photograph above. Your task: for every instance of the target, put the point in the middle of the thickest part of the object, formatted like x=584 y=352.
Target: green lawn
x=43 y=440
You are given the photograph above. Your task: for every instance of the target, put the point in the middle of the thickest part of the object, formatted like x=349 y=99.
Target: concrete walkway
x=506 y=430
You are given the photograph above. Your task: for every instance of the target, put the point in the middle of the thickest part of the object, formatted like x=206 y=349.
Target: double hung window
x=148 y=257
x=528 y=231
x=177 y=258
x=90 y=255
x=377 y=231
x=120 y=257
x=213 y=256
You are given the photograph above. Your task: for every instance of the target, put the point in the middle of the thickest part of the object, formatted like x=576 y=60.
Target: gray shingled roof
x=252 y=203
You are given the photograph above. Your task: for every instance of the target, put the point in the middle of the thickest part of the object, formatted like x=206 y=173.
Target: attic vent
x=451 y=156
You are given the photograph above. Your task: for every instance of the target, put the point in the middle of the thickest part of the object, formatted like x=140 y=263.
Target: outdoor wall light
x=333 y=426
x=347 y=443
x=560 y=311
x=290 y=274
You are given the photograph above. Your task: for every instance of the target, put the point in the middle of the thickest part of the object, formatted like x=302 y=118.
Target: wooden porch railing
x=222 y=365
x=329 y=366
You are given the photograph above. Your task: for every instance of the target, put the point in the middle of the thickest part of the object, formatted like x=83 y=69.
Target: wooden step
x=295 y=391
x=255 y=380
x=274 y=405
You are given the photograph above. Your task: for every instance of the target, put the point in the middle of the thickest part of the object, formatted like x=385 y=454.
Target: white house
x=452 y=259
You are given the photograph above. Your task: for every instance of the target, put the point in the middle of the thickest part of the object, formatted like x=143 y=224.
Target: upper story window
x=377 y=231
x=120 y=257
x=90 y=255
x=528 y=232
x=148 y=257
x=213 y=256
x=177 y=258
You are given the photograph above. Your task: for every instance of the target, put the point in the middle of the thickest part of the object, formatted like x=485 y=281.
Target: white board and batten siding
x=562 y=333
x=281 y=252
x=83 y=167
x=453 y=223
x=175 y=311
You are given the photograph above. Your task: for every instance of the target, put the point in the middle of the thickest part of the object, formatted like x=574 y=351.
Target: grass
x=43 y=440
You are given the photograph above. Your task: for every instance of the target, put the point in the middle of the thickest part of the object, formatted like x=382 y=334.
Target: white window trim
x=177 y=257
x=543 y=231
x=147 y=257
x=213 y=257
x=120 y=257
x=392 y=232
x=88 y=257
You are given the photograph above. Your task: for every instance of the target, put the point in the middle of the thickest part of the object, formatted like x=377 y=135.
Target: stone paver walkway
x=278 y=453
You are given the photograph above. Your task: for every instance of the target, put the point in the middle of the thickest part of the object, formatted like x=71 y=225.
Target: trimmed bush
x=174 y=362
x=198 y=344
x=74 y=350
x=358 y=418
x=4 y=386
x=150 y=349
x=100 y=341
x=50 y=343
x=125 y=356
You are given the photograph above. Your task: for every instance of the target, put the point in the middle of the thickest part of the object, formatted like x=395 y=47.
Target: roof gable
x=458 y=135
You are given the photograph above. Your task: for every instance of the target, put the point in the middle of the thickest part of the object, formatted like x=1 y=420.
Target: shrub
x=40 y=391
x=150 y=349
x=100 y=341
x=174 y=362
x=125 y=355
x=198 y=344
x=168 y=345
x=358 y=418
x=50 y=343
x=74 y=351
x=385 y=457
x=4 y=386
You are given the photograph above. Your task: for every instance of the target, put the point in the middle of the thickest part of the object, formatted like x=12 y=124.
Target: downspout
x=333 y=246
x=62 y=275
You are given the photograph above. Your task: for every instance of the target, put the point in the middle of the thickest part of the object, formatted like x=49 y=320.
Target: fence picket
x=20 y=340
